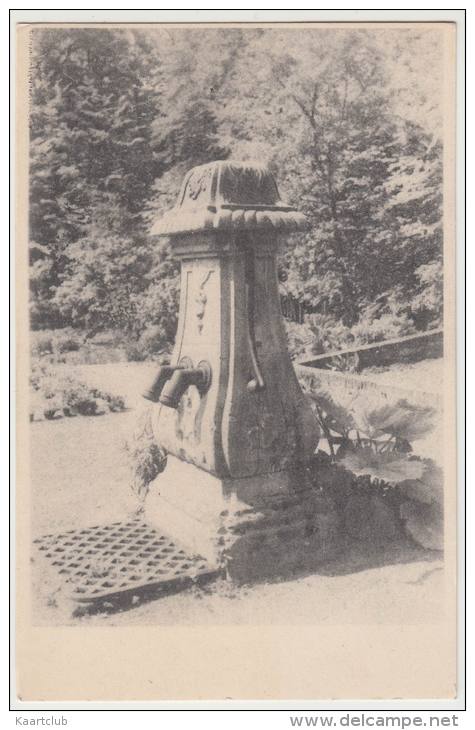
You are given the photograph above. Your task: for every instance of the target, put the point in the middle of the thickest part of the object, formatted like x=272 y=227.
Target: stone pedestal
x=255 y=527
x=237 y=445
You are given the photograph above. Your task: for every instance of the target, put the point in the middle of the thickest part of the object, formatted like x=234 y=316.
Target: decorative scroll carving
x=228 y=195
x=198 y=182
x=201 y=300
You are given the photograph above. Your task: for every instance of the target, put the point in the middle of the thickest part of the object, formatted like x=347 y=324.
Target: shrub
x=55 y=342
x=55 y=395
x=151 y=345
x=386 y=327
x=42 y=345
x=329 y=334
x=68 y=344
x=146 y=459
x=370 y=438
x=368 y=422
x=134 y=352
x=156 y=310
x=299 y=340
x=154 y=340
x=427 y=305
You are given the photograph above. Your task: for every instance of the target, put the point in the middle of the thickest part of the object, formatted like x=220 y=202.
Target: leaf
x=429 y=488
x=369 y=419
x=424 y=523
x=401 y=419
x=412 y=421
x=336 y=417
x=390 y=466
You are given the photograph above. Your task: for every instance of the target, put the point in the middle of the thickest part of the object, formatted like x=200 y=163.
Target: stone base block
x=254 y=528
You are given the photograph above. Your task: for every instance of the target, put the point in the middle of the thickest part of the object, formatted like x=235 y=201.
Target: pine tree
x=118 y=118
x=92 y=162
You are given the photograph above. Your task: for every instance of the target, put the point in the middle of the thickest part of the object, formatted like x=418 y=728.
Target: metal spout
x=181 y=380
x=164 y=373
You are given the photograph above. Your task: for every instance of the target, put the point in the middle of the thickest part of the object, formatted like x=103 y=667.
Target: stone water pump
x=228 y=409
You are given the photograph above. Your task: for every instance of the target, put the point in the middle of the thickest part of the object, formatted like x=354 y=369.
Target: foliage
x=118 y=116
x=69 y=344
x=152 y=344
x=55 y=342
x=328 y=333
x=54 y=395
x=426 y=305
x=424 y=523
x=332 y=416
x=299 y=340
x=388 y=466
x=400 y=420
x=371 y=435
x=369 y=441
x=358 y=178
x=92 y=167
x=146 y=459
x=375 y=510
x=388 y=317
x=429 y=488
x=43 y=346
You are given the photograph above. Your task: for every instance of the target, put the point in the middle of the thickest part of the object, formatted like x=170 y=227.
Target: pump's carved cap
x=228 y=195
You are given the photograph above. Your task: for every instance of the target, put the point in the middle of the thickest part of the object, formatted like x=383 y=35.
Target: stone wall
x=343 y=386
x=403 y=350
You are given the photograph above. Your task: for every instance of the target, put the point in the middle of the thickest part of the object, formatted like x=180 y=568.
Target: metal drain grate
x=101 y=561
